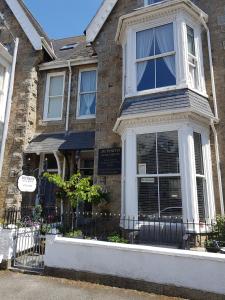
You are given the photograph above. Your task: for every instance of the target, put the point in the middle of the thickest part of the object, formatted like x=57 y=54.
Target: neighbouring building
x=137 y=103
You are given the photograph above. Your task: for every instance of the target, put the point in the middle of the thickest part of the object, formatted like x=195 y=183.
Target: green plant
x=37 y=213
x=77 y=189
x=1 y=221
x=116 y=238
x=45 y=228
x=74 y=234
x=220 y=228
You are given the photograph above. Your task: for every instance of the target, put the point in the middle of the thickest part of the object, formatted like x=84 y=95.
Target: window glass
x=146 y=153
x=159 y=193
x=168 y=152
x=170 y=196
x=87 y=95
x=153 y=72
x=152 y=1
x=192 y=58
x=55 y=97
x=200 y=178
x=198 y=153
x=191 y=40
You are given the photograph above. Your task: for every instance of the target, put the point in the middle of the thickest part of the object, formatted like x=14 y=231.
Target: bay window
x=87 y=94
x=158 y=173
x=155 y=58
x=54 y=96
x=164 y=51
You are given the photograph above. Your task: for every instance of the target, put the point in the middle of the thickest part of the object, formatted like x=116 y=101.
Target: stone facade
x=23 y=111
x=29 y=94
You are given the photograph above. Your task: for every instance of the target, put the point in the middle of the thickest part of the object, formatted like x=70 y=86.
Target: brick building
x=148 y=78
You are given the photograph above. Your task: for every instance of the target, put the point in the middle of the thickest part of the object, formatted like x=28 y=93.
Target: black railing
x=122 y=229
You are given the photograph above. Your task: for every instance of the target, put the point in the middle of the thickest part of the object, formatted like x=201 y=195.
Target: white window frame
x=158 y=175
x=180 y=21
x=93 y=116
x=46 y=100
x=6 y=62
x=187 y=168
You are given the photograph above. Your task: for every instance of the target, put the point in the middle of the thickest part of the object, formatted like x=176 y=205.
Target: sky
x=63 y=18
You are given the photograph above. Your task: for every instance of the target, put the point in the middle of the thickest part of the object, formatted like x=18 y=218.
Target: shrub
x=116 y=238
x=74 y=234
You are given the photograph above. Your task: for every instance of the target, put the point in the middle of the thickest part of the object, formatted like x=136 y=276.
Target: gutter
x=216 y=120
x=64 y=63
x=68 y=98
x=9 y=102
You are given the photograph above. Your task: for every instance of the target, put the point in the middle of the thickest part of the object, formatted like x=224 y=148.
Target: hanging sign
x=27 y=184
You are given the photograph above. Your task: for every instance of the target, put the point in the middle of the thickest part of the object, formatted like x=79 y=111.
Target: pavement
x=18 y=286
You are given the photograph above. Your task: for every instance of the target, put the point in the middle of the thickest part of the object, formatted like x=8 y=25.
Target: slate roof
x=45 y=143
x=180 y=99
x=82 y=49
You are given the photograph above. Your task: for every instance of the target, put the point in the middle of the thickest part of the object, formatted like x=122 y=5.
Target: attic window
x=68 y=46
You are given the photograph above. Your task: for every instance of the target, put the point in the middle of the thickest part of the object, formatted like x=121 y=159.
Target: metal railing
x=169 y=231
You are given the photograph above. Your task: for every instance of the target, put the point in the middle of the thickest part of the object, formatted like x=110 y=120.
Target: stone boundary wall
x=194 y=275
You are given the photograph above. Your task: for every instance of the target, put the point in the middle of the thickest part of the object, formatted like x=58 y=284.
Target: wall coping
x=143 y=249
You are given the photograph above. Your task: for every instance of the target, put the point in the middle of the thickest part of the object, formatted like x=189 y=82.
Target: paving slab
x=18 y=286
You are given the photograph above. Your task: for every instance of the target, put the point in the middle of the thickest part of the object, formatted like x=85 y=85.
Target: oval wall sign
x=27 y=184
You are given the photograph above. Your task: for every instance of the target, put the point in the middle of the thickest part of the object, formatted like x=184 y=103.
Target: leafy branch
x=77 y=189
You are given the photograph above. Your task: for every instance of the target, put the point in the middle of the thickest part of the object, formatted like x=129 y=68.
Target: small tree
x=77 y=189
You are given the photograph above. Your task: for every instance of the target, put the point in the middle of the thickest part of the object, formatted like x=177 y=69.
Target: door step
x=26 y=271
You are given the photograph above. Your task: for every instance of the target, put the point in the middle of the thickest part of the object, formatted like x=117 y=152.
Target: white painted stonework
x=194 y=270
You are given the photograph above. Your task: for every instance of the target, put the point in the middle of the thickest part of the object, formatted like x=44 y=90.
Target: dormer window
x=155 y=58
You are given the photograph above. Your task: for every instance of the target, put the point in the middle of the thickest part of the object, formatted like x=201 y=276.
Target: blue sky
x=63 y=18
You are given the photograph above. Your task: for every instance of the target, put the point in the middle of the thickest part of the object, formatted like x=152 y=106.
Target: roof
x=106 y=8
x=167 y=101
x=48 y=143
x=81 y=49
x=30 y=26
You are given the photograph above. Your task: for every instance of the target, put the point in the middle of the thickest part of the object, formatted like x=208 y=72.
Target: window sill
x=52 y=120
x=86 y=117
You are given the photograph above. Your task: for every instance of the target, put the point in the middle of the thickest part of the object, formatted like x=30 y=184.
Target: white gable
x=25 y=23
x=99 y=19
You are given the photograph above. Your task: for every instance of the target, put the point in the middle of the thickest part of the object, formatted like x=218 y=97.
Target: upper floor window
x=86 y=107
x=54 y=96
x=155 y=58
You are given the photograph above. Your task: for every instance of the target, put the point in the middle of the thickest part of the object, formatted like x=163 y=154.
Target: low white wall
x=25 y=241
x=6 y=244
x=195 y=270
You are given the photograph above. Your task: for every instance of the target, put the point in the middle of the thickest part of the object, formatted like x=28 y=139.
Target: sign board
x=27 y=184
x=109 y=161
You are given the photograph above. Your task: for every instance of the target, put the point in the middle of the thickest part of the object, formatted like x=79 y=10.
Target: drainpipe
x=68 y=99
x=9 y=102
x=216 y=120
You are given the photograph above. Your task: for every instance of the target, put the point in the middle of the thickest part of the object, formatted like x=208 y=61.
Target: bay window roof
x=157 y=11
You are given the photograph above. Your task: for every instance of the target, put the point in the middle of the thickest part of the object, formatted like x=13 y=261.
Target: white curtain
x=145 y=40
x=165 y=41
x=88 y=92
x=86 y=103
